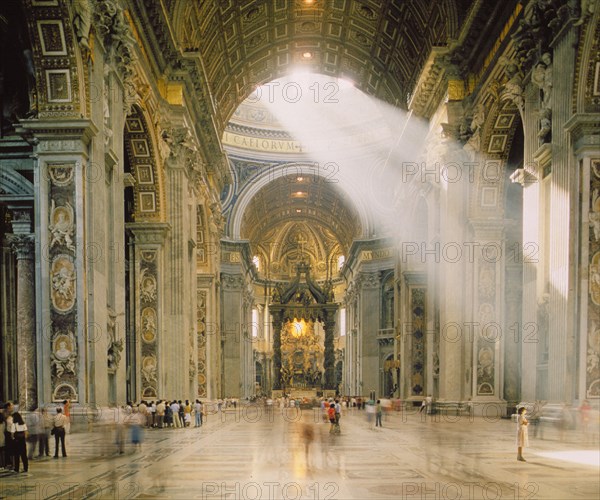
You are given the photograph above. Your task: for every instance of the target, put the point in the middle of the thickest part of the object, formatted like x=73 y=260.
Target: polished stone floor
x=251 y=454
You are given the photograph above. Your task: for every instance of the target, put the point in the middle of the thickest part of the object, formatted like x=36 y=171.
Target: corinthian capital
x=22 y=245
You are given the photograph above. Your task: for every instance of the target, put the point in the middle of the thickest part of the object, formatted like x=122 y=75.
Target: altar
x=303 y=324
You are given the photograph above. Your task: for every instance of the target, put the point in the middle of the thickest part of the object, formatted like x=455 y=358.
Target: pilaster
x=149 y=344
x=63 y=172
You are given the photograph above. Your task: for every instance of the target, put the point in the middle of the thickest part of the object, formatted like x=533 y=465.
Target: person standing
x=160 y=414
x=18 y=432
x=378 y=414
x=9 y=454
x=198 y=413
x=175 y=410
x=522 y=435
x=59 y=429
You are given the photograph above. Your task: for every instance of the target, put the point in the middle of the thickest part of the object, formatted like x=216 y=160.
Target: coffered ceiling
x=310 y=199
x=381 y=45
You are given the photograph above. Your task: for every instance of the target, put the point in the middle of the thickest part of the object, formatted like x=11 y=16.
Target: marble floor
x=253 y=454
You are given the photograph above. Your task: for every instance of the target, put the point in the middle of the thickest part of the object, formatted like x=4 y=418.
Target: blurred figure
x=2 y=440
x=332 y=419
x=522 y=434
x=584 y=415
x=136 y=423
x=34 y=426
x=378 y=413
x=308 y=436
x=45 y=426
x=67 y=413
x=370 y=411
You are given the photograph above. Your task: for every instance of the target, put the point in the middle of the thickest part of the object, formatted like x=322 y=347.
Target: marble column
x=23 y=246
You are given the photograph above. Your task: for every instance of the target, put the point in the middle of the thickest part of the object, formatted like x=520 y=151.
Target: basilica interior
x=211 y=199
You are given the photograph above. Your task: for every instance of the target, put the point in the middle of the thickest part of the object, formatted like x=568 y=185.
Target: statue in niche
x=82 y=22
x=513 y=88
x=114 y=355
x=595 y=214
x=545 y=115
x=541 y=76
x=61 y=225
x=473 y=145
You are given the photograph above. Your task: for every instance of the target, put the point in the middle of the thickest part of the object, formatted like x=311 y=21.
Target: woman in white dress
x=522 y=435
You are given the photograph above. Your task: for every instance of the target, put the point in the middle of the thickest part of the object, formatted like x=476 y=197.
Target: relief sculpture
x=63 y=283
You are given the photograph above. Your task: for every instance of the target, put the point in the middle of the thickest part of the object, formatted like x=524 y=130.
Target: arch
x=11 y=182
x=140 y=147
x=262 y=179
x=498 y=132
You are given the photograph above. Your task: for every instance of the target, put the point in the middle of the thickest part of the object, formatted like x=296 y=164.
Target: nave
x=250 y=454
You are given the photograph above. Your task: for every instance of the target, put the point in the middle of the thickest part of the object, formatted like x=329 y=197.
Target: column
x=23 y=246
x=563 y=237
x=277 y=326
x=530 y=177
x=329 y=354
x=453 y=276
